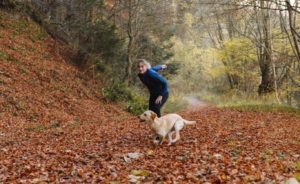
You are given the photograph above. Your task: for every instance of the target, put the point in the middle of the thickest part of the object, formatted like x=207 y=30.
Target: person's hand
x=164 y=66
x=158 y=100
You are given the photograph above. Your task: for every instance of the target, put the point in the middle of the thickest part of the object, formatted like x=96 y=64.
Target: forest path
x=195 y=104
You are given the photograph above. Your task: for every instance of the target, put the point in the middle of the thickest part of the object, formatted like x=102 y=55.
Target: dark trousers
x=156 y=107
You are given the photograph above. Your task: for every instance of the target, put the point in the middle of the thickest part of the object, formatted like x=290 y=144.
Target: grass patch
x=3 y=56
x=74 y=123
x=23 y=70
x=54 y=124
x=22 y=27
x=263 y=107
x=38 y=34
x=297 y=166
x=37 y=128
x=14 y=59
x=297 y=176
x=248 y=102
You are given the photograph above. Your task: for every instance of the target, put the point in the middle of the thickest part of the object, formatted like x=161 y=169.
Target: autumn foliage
x=55 y=127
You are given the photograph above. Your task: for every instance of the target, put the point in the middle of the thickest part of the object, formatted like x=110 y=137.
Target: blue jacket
x=156 y=84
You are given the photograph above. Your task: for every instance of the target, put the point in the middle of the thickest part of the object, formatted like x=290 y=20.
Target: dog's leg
x=162 y=138
x=177 y=136
x=172 y=134
x=170 y=138
x=156 y=139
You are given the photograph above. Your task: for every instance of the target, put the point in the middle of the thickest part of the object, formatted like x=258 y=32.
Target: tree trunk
x=128 y=77
x=265 y=62
x=293 y=31
x=128 y=72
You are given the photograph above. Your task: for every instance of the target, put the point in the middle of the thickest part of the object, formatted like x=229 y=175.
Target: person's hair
x=144 y=62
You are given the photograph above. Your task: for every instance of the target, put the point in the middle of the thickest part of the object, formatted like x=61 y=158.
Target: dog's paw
x=156 y=142
x=170 y=143
x=173 y=142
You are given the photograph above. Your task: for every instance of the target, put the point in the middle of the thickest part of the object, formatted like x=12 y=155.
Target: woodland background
x=226 y=52
x=68 y=73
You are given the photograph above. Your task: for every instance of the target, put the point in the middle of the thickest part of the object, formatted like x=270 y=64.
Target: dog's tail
x=189 y=122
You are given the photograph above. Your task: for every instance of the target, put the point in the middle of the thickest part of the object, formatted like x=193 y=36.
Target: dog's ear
x=153 y=115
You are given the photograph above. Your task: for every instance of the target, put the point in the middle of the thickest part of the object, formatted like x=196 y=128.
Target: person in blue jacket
x=156 y=84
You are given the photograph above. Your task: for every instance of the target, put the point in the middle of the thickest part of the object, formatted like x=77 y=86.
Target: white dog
x=165 y=125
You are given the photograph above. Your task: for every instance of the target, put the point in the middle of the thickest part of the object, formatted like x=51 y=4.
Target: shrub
x=8 y=4
x=133 y=102
x=137 y=105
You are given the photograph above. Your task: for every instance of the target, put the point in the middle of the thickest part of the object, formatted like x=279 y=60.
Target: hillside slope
x=37 y=84
x=44 y=102
x=54 y=128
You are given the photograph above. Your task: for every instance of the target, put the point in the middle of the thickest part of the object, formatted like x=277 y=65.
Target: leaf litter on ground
x=55 y=128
